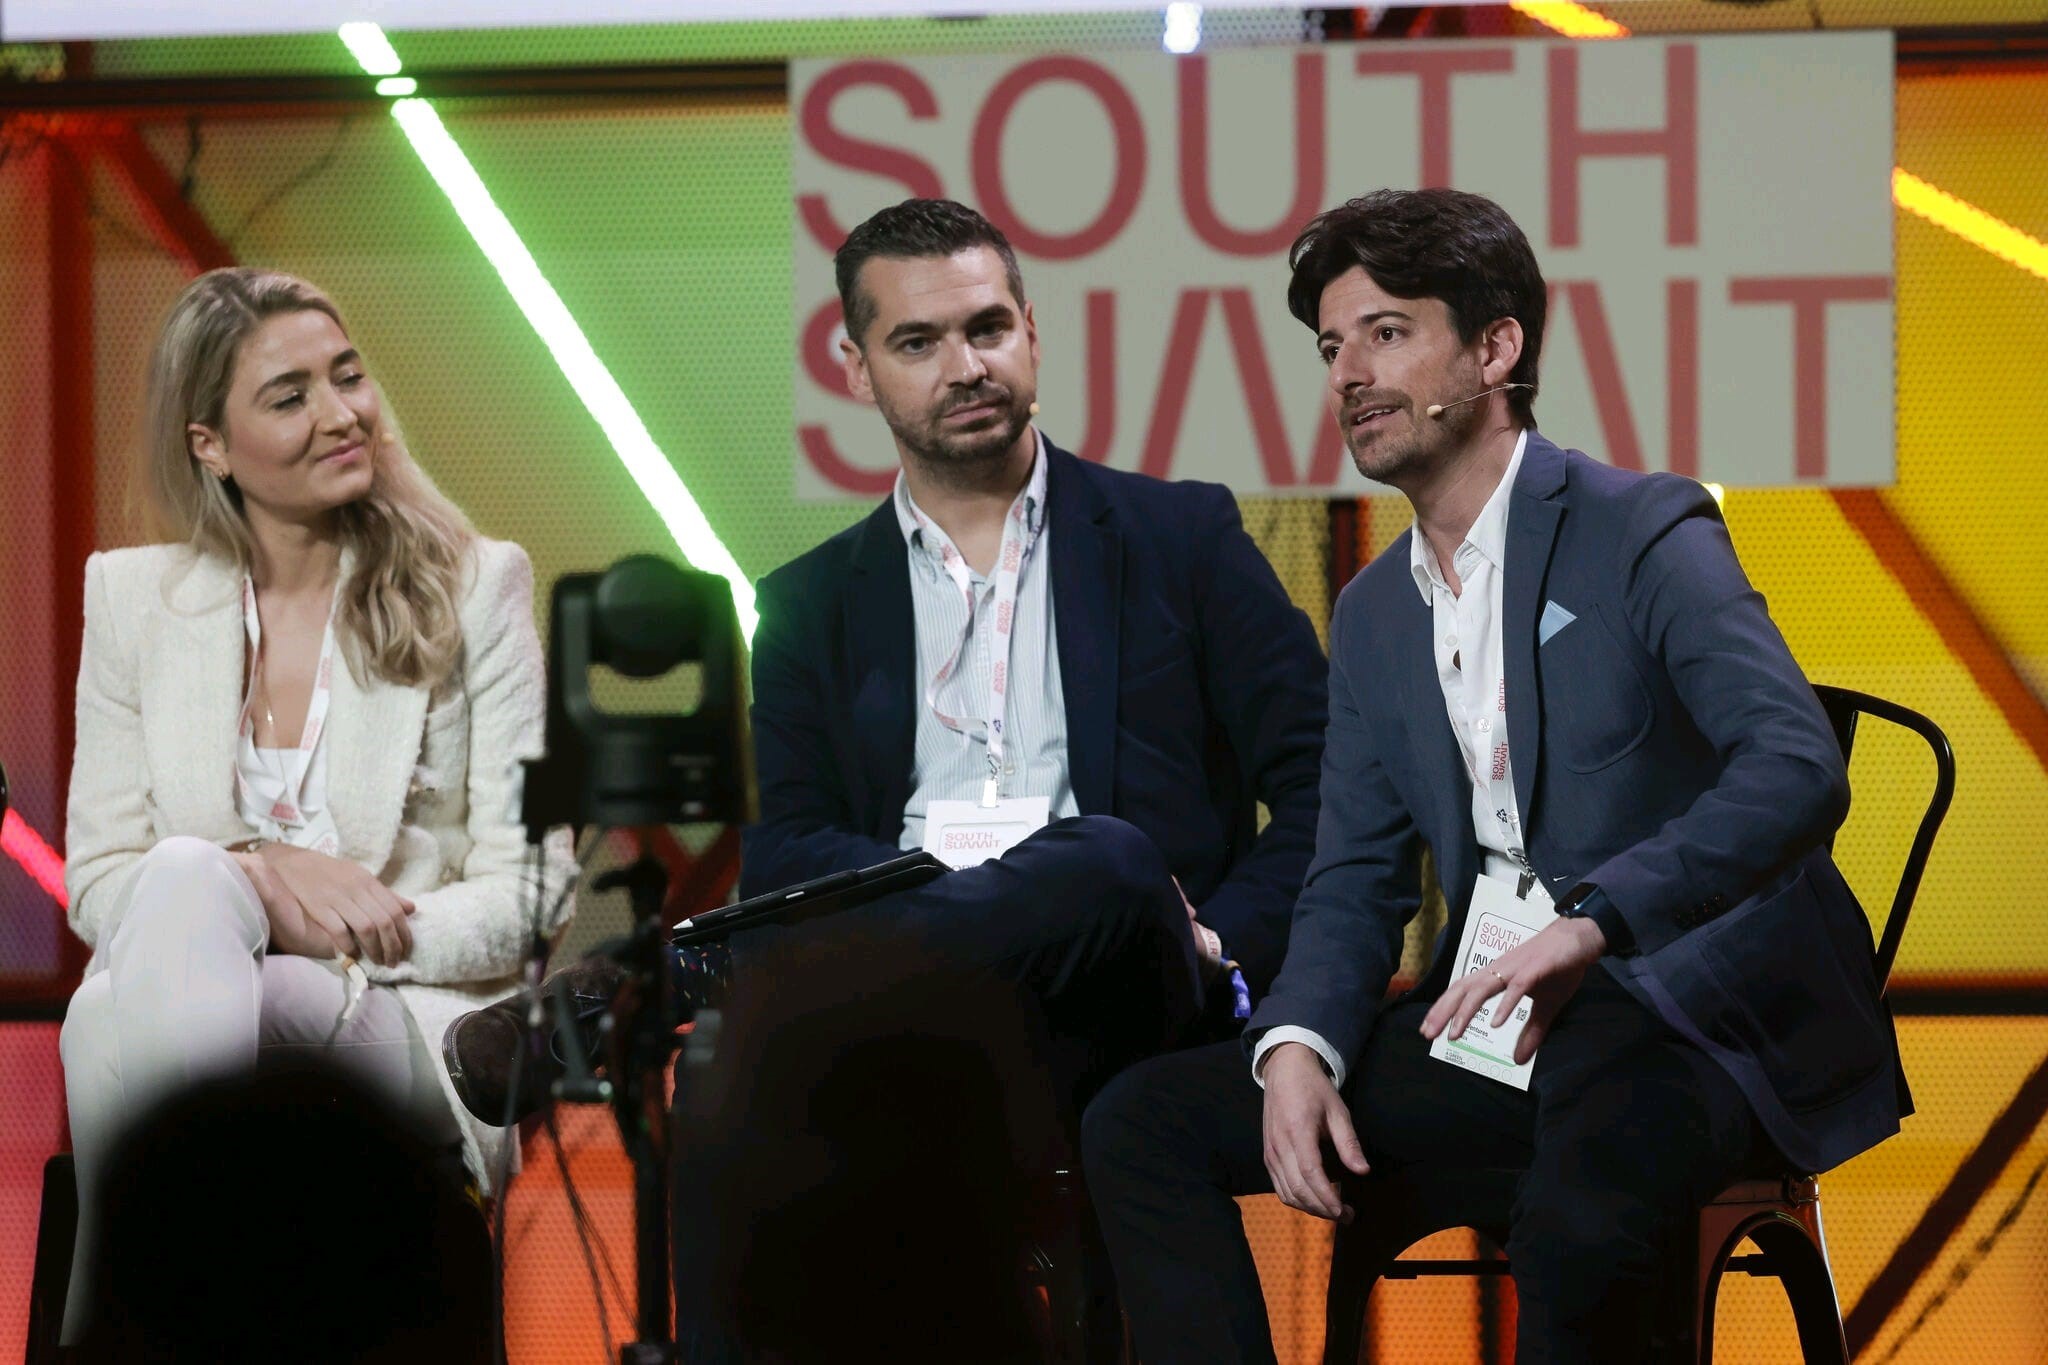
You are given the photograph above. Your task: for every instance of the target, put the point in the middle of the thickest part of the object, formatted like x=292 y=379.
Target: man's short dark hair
x=1430 y=244
x=909 y=230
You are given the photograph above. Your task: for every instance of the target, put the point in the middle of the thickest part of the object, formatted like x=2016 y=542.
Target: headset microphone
x=1438 y=409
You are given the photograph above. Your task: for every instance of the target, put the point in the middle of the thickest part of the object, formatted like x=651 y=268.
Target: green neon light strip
x=550 y=318
x=371 y=49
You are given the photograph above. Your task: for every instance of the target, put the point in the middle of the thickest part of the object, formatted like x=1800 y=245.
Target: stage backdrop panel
x=1713 y=216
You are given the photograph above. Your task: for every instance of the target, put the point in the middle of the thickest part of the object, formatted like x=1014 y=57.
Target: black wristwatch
x=1572 y=904
x=1586 y=901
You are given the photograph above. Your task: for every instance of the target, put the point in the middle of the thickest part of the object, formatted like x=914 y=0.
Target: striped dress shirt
x=950 y=765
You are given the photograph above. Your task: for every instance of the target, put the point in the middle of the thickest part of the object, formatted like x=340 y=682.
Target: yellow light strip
x=1572 y=20
x=1969 y=222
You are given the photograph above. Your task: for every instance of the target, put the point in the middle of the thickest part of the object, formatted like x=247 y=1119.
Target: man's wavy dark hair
x=1430 y=244
x=909 y=230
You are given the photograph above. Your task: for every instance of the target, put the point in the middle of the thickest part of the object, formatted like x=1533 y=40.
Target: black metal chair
x=1777 y=1209
x=50 y=1282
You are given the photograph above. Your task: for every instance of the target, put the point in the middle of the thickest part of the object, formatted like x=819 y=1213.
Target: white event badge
x=964 y=833
x=1496 y=922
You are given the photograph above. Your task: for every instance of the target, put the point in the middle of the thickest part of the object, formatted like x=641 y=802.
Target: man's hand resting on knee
x=1303 y=1111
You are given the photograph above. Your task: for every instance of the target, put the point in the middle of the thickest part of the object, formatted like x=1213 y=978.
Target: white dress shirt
x=1470 y=668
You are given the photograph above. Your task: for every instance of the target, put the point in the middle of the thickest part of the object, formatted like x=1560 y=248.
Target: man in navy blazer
x=1193 y=691
x=1560 y=682
x=1160 y=684
x=1154 y=687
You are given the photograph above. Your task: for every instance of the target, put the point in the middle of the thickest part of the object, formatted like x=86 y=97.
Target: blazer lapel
x=1087 y=604
x=882 y=667
x=374 y=730
x=191 y=692
x=1533 y=517
x=1448 y=826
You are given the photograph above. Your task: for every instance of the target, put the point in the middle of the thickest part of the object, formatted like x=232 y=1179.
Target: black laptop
x=823 y=896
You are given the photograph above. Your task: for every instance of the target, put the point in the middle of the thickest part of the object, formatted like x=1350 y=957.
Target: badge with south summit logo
x=964 y=833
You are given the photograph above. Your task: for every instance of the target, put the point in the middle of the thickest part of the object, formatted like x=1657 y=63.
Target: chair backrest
x=1844 y=709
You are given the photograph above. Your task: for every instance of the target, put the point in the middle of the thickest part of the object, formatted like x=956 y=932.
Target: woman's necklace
x=270 y=757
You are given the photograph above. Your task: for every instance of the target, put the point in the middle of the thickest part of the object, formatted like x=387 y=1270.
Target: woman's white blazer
x=424 y=790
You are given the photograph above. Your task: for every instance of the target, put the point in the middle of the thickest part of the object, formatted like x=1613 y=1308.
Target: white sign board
x=1713 y=216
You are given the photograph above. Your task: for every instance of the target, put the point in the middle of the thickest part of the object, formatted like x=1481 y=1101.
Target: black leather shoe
x=479 y=1047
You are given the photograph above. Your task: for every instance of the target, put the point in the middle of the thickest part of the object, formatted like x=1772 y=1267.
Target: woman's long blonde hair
x=398 y=615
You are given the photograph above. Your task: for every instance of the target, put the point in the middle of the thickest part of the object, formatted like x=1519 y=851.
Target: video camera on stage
x=644 y=617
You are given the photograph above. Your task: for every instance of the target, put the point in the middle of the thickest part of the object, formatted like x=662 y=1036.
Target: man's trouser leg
x=1084 y=916
x=1623 y=1129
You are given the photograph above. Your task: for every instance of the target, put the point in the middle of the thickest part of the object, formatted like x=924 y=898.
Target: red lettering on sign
x=1682 y=377
x=819 y=356
x=857 y=154
x=1677 y=142
x=1434 y=69
x=1810 y=296
x=1170 y=403
x=1609 y=386
x=1603 y=371
x=1262 y=403
x=1098 y=362
x=816 y=444
x=1127 y=183
x=1309 y=134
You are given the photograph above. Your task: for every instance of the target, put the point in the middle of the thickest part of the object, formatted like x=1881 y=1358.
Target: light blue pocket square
x=1555 y=619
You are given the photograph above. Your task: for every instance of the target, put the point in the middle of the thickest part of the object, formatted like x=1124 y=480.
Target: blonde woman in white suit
x=292 y=811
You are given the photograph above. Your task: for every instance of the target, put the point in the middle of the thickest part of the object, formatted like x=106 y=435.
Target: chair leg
x=1357 y=1259
x=1801 y=1260
x=1071 y=1266
x=50 y=1282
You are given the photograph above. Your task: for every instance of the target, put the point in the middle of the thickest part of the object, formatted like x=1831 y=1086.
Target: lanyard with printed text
x=1019 y=535
x=1496 y=781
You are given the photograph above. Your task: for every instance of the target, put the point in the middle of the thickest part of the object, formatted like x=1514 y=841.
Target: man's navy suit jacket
x=1666 y=748
x=1194 y=690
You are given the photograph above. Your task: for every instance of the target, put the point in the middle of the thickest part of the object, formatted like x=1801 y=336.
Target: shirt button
x=1450 y=642
x=1485 y=724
